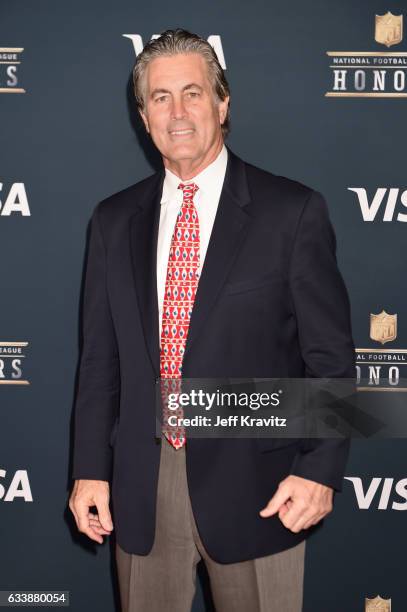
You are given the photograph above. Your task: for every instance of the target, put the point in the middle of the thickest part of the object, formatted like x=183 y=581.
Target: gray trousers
x=165 y=579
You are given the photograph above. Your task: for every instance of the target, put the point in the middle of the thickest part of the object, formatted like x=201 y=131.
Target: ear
x=223 y=109
x=145 y=121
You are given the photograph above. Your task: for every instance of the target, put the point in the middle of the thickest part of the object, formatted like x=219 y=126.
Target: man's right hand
x=88 y=493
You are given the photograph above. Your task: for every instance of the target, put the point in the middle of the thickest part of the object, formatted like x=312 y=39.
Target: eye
x=193 y=94
x=161 y=98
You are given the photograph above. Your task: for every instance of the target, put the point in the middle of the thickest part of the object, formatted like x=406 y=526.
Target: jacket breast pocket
x=251 y=284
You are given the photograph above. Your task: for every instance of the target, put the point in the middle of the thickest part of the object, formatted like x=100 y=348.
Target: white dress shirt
x=206 y=200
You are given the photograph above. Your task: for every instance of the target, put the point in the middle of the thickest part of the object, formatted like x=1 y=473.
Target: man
x=269 y=301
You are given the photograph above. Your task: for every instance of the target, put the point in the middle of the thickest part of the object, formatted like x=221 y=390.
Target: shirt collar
x=206 y=179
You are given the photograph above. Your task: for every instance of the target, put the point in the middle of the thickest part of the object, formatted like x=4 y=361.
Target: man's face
x=181 y=113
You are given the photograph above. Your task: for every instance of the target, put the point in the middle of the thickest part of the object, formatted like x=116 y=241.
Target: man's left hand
x=300 y=503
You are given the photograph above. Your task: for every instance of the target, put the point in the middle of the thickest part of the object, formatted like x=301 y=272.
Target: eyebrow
x=161 y=90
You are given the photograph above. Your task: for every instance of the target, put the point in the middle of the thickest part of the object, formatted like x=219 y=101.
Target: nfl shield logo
x=389 y=29
x=383 y=327
x=377 y=605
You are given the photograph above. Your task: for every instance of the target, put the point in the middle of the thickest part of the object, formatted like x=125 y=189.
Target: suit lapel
x=144 y=225
x=229 y=229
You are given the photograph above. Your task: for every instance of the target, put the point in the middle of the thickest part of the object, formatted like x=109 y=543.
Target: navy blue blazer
x=271 y=302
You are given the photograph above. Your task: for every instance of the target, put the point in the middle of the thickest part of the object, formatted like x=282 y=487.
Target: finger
x=302 y=521
x=93 y=533
x=96 y=524
x=284 y=509
x=309 y=524
x=287 y=505
x=72 y=509
x=315 y=521
x=310 y=519
x=104 y=515
x=79 y=511
x=100 y=530
x=294 y=514
x=282 y=494
x=94 y=517
x=82 y=510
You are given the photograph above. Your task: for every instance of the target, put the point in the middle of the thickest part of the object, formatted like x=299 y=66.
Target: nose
x=178 y=110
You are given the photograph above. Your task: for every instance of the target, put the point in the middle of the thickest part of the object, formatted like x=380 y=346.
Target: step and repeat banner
x=319 y=94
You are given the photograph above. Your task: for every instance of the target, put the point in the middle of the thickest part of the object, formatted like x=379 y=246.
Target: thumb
x=105 y=517
x=279 y=498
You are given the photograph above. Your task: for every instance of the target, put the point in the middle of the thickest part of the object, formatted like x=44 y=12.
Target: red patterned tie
x=180 y=289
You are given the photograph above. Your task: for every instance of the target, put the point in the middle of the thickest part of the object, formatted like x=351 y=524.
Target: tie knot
x=189 y=190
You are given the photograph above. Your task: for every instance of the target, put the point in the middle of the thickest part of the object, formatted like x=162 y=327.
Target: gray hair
x=176 y=41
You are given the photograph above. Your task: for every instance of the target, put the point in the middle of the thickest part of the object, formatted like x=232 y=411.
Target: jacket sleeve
x=98 y=393
x=322 y=309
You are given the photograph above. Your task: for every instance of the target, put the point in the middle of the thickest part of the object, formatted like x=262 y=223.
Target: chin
x=182 y=150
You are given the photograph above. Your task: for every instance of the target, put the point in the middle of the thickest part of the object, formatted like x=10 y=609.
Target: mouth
x=181 y=133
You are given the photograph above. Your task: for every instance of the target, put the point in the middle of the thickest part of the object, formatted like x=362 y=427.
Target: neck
x=186 y=169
